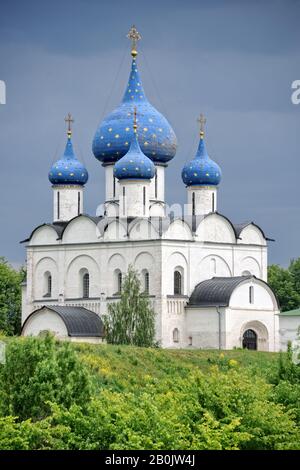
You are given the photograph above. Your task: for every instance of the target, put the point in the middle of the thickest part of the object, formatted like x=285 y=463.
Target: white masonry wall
x=205 y=199
x=67 y=202
x=211 y=251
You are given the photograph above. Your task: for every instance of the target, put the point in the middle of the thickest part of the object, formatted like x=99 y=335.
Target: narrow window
x=177 y=283
x=251 y=294
x=193 y=203
x=190 y=340
x=49 y=285
x=58 y=205
x=114 y=187
x=213 y=266
x=124 y=200
x=86 y=286
x=213 y=202
x=119 y=283
x=155 y=184
x=176 y=335
x=78 y=202
x=146 y=282
x=144 y=200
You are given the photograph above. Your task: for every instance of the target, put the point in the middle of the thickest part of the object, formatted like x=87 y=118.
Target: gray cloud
x=234 y=61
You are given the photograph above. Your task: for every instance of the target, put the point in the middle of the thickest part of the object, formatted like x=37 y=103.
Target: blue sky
x=233 y=60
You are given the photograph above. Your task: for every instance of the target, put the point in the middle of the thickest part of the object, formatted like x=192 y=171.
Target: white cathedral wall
x=103 y=258
x=263 y=322
x=202 y=328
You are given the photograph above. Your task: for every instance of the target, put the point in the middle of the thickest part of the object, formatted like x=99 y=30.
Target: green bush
x=38 y=371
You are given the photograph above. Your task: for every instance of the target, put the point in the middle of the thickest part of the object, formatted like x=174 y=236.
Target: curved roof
x=135 y=164
x=79 y=321
x=68 y=169
x=57 y=226
x=216 y=291
x=201 y=170
x=155 y=135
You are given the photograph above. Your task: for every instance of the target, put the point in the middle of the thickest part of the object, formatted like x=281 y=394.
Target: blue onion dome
x=135 y=164
x=202 y=170
x=68 y=169
x=155 y=135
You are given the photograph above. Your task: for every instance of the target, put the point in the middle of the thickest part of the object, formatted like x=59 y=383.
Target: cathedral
x=205 y=276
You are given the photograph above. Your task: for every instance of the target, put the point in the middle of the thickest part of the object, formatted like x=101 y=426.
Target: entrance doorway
x=250 y=340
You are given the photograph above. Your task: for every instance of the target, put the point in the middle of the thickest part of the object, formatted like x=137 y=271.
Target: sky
x=233 y=60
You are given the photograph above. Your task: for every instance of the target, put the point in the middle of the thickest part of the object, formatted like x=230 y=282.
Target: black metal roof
x=78 y=320
x=215 y=292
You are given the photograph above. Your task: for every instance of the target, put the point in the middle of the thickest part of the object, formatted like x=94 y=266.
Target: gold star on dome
x=127 y=129
x=110 y=129
x=117 y=136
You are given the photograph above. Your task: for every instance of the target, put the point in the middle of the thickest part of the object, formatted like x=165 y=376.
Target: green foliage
x=131 y=320
x=146 y=398
x=284 y=283
x=10 y=298
x=38 y=371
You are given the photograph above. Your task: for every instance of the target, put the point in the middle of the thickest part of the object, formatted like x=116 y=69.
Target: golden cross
x=69 y=120
x=202 y=121
x=134 y=36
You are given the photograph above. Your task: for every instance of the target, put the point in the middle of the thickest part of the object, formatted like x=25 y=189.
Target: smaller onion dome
x=135 y=164
x=68 y=169
x=202 y=170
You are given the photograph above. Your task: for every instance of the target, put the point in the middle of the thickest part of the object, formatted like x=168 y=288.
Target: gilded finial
x=134 y=121
x=134 y=36
x=69 y=120
x=202 y=121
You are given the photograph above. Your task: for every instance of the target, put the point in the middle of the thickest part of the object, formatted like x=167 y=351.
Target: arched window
x=146 y=279
x=117 y=282
x=176 y=335
x=86 y=286
x=114 y=187
x=213 y=202
x=120 y=282
x=251 y=295
x=177 y=283
x=155 y=183
x=48 y=285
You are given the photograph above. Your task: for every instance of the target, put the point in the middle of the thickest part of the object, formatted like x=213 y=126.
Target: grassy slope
x=128 y=367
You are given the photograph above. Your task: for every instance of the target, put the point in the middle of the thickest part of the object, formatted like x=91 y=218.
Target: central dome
x=155 y=135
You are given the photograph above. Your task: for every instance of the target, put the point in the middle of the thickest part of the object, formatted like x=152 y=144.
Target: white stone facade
x=105 y=247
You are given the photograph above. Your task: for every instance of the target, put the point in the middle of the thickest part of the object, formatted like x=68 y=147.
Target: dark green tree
x=282 y=282
x=10 y=298
x=131 y=320
x=294 y=269
x=41 y=370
